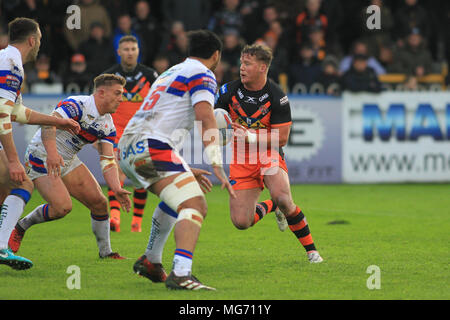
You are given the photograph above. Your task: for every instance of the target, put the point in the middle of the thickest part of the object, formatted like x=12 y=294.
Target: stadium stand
x=410 y=52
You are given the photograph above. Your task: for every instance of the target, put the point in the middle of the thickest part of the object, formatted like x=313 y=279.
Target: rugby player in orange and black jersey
x=256 y=103
x=139 y=78
x=267 y=108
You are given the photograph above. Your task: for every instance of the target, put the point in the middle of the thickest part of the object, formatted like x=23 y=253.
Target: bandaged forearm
x=214 y=154
x=21 y=114
x=107 y=162
x=6 y=108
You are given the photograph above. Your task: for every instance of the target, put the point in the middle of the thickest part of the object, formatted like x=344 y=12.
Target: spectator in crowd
x=78 y=80
x=97 y=50
x=91 y=12
x=386 y=56
x=146 y=26
x=38 y=11
x=193 y=13
x=178 y=52
x=360 y=77
x=251 y=17
x=360 y=48
x=317 y=40
x=311 y=17
x=41 y=73
x=116 y=8
x=161 y=63
x=329 y=76
x=306 y=70
x=414 y=58
x=283 y=40
x=29 y=9
x=288 y=10
x=409 y=16
x=228 y=18
x=231 y=52
x=124 y=28
x=334 y=11
x=168 y=40
x=269 y=15
x=280 y=61
x=376 y=37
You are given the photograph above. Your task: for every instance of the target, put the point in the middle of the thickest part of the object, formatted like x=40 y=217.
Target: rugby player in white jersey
x=52 y=163
x=148 y=155
x=24 y=42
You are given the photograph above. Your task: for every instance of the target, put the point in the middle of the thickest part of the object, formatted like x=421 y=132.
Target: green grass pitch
x=402 y=229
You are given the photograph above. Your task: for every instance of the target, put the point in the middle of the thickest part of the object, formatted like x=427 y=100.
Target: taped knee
x=191 y=215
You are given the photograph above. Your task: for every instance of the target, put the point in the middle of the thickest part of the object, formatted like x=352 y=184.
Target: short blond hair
x=108 y=79
x=260 y=52
x=128 y=38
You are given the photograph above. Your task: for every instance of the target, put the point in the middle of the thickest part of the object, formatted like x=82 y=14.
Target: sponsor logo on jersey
x=138 y=76
x=223 y=89
x=251 y=100
x=12 y=81
x=240 y=94
x=251 y=123
x=263 y=97
x=284 y=100
x=72 y=108
x=210 y=83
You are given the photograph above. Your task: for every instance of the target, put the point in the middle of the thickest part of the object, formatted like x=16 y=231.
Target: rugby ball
x=223 y=120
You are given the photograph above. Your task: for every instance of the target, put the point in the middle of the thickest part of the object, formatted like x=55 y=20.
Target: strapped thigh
x=182 y=188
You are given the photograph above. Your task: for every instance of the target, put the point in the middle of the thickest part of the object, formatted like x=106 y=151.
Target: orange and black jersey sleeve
x=265 y=108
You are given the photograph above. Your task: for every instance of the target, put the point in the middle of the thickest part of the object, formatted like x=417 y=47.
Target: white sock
x=38 y=215
x=182 y=262
x=12 y=209
x=100 y=227
x=163 y=221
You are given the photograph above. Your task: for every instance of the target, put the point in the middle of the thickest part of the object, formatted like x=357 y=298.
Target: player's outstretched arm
x=49 y=120
x=210 y=137
x=111 y=174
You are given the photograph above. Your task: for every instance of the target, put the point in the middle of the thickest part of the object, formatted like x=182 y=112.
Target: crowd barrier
x=355 y=138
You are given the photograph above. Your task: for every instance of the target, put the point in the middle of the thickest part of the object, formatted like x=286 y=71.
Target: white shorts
x=35 y=164
x=146 y=161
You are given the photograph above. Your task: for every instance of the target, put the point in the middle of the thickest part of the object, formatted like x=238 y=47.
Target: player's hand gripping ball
x=224 y=121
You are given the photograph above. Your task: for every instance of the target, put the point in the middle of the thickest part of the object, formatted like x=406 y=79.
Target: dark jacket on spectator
x=409 y=58
x=360 y=81
x=304 y=73
x=193 y=13
x=77 y=83
x=99 y=55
